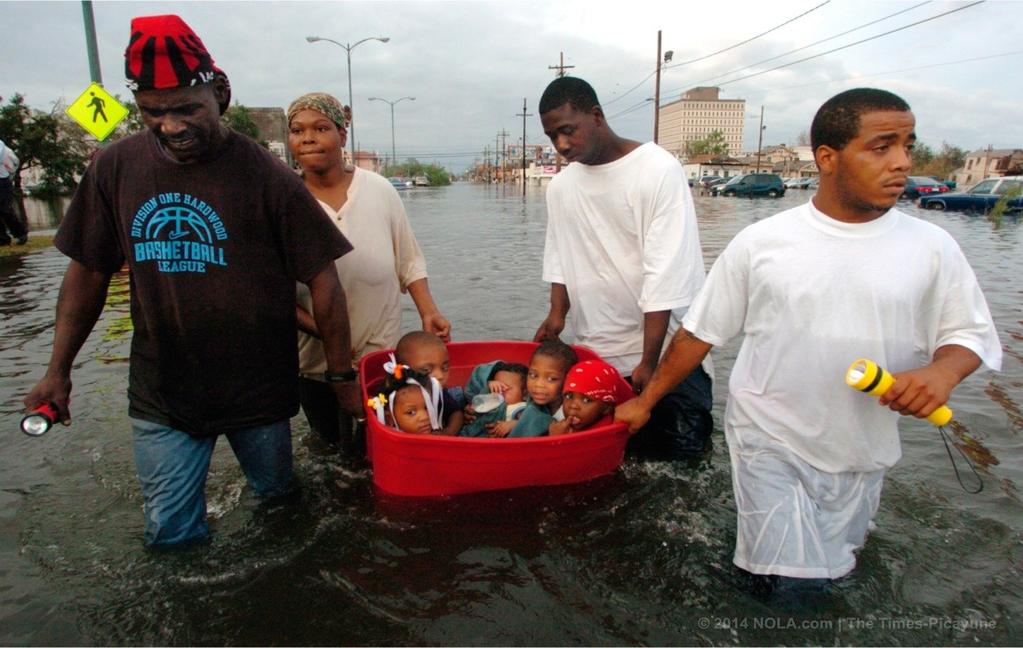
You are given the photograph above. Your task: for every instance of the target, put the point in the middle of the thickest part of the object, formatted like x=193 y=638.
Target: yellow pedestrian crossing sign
x=97 y=111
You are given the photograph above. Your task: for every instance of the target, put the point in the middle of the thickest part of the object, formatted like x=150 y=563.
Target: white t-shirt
x=8 y=161
x=386 y=259
x=622 y=238
x=813 y=294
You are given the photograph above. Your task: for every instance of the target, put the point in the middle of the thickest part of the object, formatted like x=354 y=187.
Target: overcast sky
x=470 y=64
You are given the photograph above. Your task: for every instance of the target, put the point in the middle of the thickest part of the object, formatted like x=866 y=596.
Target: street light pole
x=348 y=50
x=394 y=159
x=760 y=137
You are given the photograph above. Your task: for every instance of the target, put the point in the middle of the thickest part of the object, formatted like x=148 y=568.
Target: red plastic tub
x=427 y=465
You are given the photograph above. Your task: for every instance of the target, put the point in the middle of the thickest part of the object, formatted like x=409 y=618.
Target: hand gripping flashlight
x=866 y=376
x=39 y=421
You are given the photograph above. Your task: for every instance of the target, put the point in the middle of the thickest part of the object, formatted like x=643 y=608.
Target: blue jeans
x=172 y=467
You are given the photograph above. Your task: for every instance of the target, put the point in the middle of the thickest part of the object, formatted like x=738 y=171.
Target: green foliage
x=131 y=124
x=239 y=119
x=49 y=141
x=713 y=144
x=1002 y=206
x=922 y=155
x=437 y=175
x=941 y=164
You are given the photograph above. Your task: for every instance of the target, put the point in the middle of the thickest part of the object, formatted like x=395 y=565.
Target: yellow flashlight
x=866 y=376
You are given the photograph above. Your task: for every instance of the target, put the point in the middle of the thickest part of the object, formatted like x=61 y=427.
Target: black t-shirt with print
x=214 y=250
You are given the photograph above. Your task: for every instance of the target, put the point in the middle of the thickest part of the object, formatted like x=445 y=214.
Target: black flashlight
x=39 y=421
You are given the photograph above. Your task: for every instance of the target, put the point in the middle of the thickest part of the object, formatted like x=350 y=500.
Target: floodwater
x=640 y=557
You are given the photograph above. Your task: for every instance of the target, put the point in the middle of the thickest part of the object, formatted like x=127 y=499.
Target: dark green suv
x=752 y=184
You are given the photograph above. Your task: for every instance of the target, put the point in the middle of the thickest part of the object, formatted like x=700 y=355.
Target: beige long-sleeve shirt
x=386 y=259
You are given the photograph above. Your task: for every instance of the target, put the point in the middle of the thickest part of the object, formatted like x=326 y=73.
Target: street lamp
x=394 y=160
x=760 y=137
x=348 y=50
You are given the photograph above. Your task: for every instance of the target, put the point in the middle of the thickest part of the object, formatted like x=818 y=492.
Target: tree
x=922 y=156
x=131 y=124
x=713 y=144
x=942 y=164
x=49 y=141
x=437 y=175
x=239 y=119
x=803 y=139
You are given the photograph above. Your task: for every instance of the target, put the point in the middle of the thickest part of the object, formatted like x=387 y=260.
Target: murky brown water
x=640 y=557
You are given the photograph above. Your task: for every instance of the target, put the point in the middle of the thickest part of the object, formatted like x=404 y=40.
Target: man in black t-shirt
x=215 y=233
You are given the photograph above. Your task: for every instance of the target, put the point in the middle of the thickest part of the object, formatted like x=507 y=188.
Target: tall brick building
x=696 y=115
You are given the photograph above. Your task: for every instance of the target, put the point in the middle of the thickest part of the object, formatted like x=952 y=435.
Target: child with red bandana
x=592 y=389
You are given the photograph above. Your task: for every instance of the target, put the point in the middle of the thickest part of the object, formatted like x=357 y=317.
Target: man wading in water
x=215 y=232
x=842 y=277
x=623 y=252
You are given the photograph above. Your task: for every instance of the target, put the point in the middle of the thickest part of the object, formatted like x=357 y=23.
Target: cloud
x=469 y=64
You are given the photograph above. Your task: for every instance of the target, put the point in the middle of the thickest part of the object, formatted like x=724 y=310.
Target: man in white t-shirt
x=9 y=220
x=814 y=288
x=623 y=251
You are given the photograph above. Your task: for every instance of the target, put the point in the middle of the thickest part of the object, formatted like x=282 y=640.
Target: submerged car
x=917 y=186
x=752 y=184
x=980 y=198
x=708 y=180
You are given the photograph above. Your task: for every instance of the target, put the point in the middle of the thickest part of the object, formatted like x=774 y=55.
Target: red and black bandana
x=164 y=52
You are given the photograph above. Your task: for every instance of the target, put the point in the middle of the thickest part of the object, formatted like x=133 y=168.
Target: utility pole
x=560 y=67
x=497 y=158
x=760 y=137
x=657 y=89
x=523 y=115
x=504 y=155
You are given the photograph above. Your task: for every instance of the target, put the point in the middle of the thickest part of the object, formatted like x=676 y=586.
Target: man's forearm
x=685 y=353
x=655 y=327
x=83 y=294
x=559 y=300
x=330 y=310
x=958 y=360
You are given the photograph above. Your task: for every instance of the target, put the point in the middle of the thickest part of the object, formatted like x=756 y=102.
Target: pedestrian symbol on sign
x=98 y=103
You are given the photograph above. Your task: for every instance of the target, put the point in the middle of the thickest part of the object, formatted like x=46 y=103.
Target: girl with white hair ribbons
x=421 y=413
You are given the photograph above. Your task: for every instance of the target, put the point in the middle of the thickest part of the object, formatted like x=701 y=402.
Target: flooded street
x=640 y=557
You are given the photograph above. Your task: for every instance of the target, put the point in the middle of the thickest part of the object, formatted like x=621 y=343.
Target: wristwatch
x=341 y=376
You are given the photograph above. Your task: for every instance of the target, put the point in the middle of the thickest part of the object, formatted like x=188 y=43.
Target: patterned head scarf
x=324 y=104
x=165 y=53
x=598 y=380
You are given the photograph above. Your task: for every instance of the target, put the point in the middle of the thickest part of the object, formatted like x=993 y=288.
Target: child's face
x=429 y=359
x=546 y=375
x=410 y=413
x=513 y=381
x=582 y=412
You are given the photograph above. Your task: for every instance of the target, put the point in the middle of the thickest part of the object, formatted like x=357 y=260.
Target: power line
x=633 y=108
x=621 y=96
x=859 y=42
x=877 y=74
x=799 y=49
x=748 y=40
x=645 y=79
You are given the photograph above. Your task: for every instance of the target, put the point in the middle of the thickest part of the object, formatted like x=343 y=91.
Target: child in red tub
x=592 y=389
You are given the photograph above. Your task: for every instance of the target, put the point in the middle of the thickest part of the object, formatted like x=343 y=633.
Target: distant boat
x=400 y=183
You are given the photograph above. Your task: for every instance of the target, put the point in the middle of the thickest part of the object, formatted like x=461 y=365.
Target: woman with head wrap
x=386 y=260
